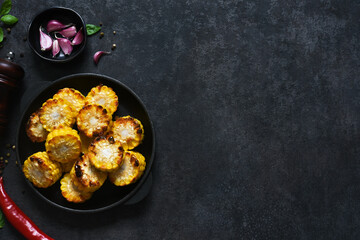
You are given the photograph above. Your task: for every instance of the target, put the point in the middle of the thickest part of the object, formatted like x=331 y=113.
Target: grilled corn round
x=55 y=113
x=63 y=145
x=73 y=98
x=130 y=171
x=41 y=171
x=71 y=192
x=104 y=96
x=105 y=153
x=128 y=131
x=93 y=120
x=35 y=130
x=85 y=176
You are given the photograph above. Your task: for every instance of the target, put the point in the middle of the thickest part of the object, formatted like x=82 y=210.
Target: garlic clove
x=45 y=41
x=55 y=48
x=68 y=32
x=55 y=25
x=79 y=37
x=65 y=45
x=98 y=54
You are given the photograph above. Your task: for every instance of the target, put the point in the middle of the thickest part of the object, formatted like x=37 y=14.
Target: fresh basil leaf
x=92 y=29
x=2 y=220
x=1 y=35
x=9 y=19
x=5 y=7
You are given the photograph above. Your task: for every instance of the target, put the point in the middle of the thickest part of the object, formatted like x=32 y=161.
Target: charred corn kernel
x=103 y=96
x=85 y=176
x=66 y=167
x=34 y=129
x=130 y=171
x=63 y=145
x=41 y=171
x=73 y=97
x=105 y=153
x=55 y=113
x=128 y=131
x=93 y=120
x=70 y=192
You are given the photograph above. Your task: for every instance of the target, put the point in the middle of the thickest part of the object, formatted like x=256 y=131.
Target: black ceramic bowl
x=65 y=16
x=129 y=104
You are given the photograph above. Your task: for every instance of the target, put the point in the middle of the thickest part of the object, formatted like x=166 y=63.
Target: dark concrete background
x=256 y=111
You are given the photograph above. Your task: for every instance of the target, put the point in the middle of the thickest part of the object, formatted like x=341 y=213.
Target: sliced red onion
x=45 y=41
x=55 y=48
x=68 y=32
x=98 y=54
x=65 y=45
x=79 y=37
x=55 y=25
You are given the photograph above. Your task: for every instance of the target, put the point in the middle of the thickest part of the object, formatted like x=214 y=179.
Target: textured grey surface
x=256 y=112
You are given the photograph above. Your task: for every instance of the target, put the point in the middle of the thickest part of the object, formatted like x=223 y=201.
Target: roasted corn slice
x=104 y=96
x=41 y=171
x=35 y=130
x=128 y=131
x=63 y=145
x=55 y=113
x=105 y=153
x=85 y=176
x=130 y=171
x=73 y=97
x=71 y=192
x=93 y=120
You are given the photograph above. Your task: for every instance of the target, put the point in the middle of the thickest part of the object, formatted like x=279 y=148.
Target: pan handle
x=142 y=192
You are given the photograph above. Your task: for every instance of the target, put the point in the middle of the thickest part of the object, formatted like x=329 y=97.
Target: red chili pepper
x=18 y=219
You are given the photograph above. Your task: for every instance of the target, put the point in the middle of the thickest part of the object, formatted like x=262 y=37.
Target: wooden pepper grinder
x=10 y=77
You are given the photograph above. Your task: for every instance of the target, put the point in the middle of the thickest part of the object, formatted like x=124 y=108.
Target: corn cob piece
x=104 y=96
x=105 y=153
x=34 y=129
x=56 y=113
x=71 y=192
x=85 y=176
x=93 y=120
x=73 y=98
x=130 y=171
x=41 y=171
x=128 y=131
x=63 y=145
